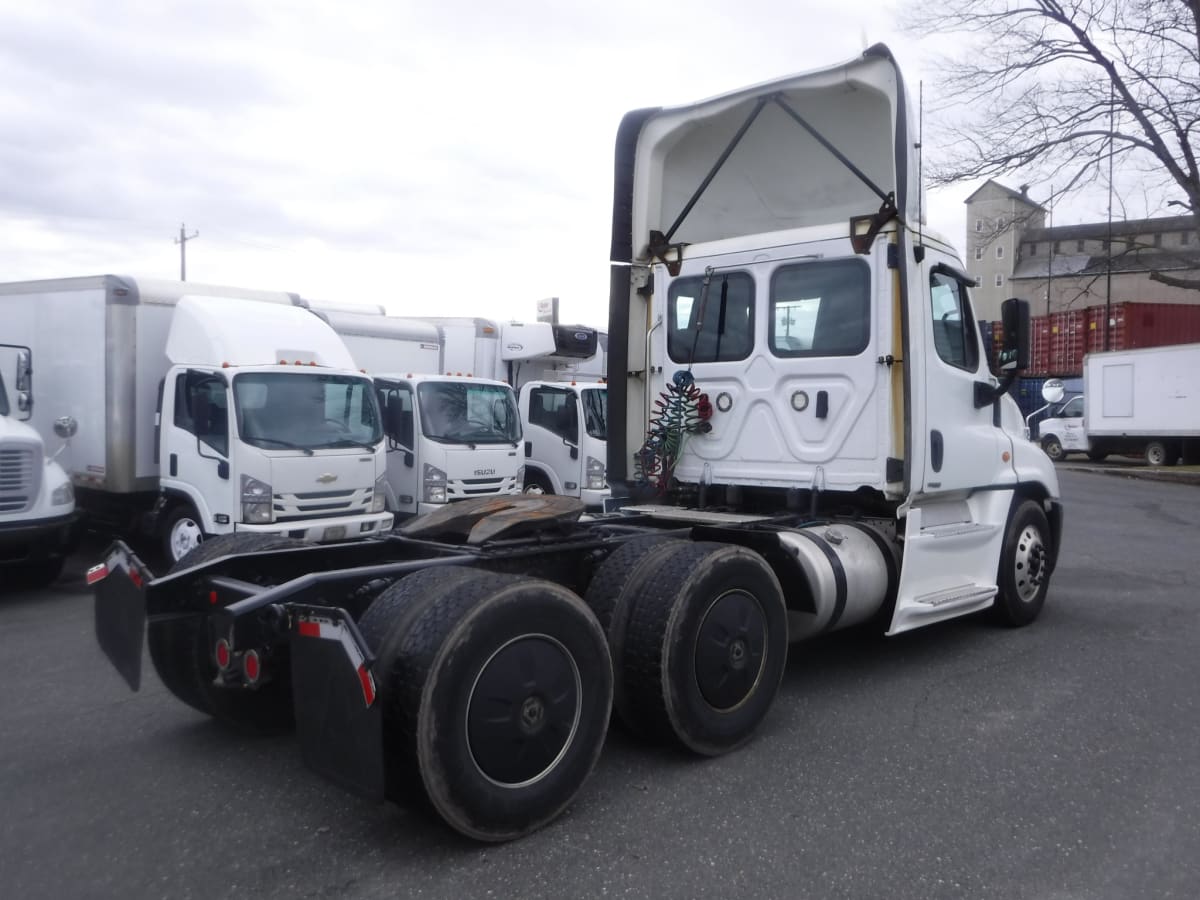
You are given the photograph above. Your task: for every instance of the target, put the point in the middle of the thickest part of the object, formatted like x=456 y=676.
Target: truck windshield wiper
x=350 y=442
x=308 y=451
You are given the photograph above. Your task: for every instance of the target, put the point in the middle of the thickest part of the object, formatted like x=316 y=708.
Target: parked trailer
x=804 y=425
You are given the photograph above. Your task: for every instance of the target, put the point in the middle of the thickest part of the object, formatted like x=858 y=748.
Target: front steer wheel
x=182 y=653
x=1024 y=575
x=496 y=692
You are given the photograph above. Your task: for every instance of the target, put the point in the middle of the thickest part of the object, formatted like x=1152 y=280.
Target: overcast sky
x=449 y=157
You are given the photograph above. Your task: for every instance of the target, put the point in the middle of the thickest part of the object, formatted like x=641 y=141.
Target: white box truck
x=1135 y=402
x=449 y=436
x=807 y=436
x=202 y=410
x=39 y=525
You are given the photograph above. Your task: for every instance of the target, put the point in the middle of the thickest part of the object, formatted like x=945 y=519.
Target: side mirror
x=65 y=427
x=1014 y=320
x=223 y=470
x=408 y=458
x=24 y=382
x=24 y=402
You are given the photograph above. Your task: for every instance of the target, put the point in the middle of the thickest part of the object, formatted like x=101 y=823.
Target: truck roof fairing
x=745 y=162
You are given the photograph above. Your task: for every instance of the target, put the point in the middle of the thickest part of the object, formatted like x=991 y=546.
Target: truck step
x=960 y=595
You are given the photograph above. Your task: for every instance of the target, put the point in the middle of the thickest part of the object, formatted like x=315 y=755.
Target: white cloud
x=452 y=157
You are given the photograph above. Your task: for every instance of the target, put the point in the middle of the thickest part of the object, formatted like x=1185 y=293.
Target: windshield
x=455 y=412
x=306 y=410
x=595 y=412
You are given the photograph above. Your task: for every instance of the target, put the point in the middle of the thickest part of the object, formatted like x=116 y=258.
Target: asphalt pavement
x=961 y=760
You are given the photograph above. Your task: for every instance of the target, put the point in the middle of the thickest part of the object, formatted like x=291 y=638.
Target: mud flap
x=338 y=720
x=120 y=586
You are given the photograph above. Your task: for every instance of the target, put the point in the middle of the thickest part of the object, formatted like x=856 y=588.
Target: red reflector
x=212 y=597
x=97 y=573
x=368 y=685
x=310 y=629
x=250 y=666
x=135 y=577
x=222 y=654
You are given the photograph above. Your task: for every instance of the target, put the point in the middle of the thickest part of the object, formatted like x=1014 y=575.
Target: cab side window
x=202 y=408
x=954 y=330
x=555 y=410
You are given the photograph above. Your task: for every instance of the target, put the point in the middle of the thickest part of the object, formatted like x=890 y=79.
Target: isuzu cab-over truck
x=450 y=436
x=805 y=427
x=202 y=410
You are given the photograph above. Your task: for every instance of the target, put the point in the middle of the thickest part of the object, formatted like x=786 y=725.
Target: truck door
x=963 y=445
x=1074 y=437
x=952 y=532
x=194 y=430
x=397 y=405
x=553 y=436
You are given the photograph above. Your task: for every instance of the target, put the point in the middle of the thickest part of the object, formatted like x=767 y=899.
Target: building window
x=1079 y=246
x=1033 y=249
x=999 y=280
x=1058 y=246
x=1104 y=245
x=979 y=225
x=1158 y=239
x=979 y=250
x=1185 y=238
x=999 y=253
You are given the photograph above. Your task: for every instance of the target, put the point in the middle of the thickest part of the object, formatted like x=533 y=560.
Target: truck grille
x=321 y=504
x=18 y=479
x=477 y=487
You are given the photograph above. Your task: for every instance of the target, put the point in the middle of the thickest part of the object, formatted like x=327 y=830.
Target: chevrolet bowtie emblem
x=327 y=478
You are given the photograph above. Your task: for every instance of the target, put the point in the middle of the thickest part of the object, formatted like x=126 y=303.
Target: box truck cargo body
x=202 y=409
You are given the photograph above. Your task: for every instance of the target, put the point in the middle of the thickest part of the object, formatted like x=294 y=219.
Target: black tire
x=384 y=626
x=1024 y=575
x=1053 y=447
x=1158 y=453
x=527 y=648
x=180 y=533
x=536 y=482
x=616 y=572
x=181 y=652
x=705 y=648
x=1097 y=455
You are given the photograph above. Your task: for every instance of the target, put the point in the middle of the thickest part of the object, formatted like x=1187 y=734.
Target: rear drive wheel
x=1157 y=454
x=1053 y=447
x=500 y=692
x=705 y=648
x=181 y=533
x=1024 y=575
x=182 y=653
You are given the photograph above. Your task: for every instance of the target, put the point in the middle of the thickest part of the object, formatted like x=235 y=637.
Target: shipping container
x=1059 y=341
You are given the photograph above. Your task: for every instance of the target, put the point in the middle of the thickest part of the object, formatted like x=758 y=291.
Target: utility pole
x=182 y=242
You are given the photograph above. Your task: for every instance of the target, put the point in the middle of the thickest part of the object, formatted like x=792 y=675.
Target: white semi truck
x=806 y=436
x=1135 y=402
x=450 y=436
x=202 y=410
x=39 y=525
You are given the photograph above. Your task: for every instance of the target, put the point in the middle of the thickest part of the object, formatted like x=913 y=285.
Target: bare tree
x=1068 y=90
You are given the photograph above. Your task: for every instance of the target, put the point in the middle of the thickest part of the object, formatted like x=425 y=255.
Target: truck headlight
x=256 y=501
x=62 y=495
x=434 y=483
x=594 y=476
x=379 y=498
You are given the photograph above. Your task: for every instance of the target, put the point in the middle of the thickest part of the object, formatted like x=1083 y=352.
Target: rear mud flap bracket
x=338 y=719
